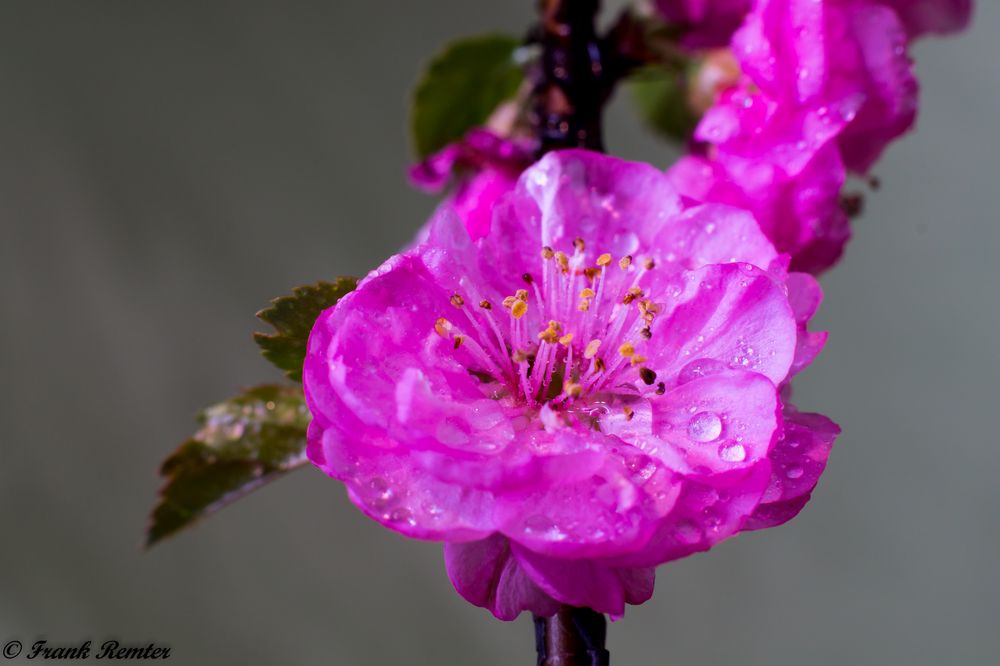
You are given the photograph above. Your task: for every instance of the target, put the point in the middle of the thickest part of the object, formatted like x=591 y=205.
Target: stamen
x=566 y=339
x=485 y=304
x=590 y=351
x=457 y=300
x=563 y=261
x=647 y=375
x=521 y=295
x=519 y=308
x=629 y=413
x=627 y=350
x=636 y=360
x=527 y=278
x=458 y=341
x=442 y=327
x=587 y=293
x=508 y=302
x=604 y=259
x=661 y=388
x=625 y=262
x=547 y=253
x=578 y=244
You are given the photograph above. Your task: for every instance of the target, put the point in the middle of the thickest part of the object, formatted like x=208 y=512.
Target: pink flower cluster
x=823 y=87
x=582 y=368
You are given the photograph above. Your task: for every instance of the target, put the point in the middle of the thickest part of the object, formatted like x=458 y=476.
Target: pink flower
x=933 y=16
x=799 y=212
x=485 y=166
x=591 y=389
x=816 y=71
x=704 y=23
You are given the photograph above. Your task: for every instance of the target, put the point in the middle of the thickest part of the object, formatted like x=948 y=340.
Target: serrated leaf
x=242 y=444
x=293 y=317
x=659 y=94
x=461 y=87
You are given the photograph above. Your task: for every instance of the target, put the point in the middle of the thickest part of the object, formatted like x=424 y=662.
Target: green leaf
x=293 y=317
x=243 y=443
x=659 y=94
x=462 y=86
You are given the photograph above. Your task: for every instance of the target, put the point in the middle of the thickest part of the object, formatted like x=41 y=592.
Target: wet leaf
x=242 y=444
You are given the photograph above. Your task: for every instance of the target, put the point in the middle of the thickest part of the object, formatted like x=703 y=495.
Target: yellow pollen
x=486 y=305
x=584 y=305
x=566 y=339
x=457 y=300
x=587 y=293
x=442 y=327
x=629 y=413
x=604 y=259
x=626 y=350
x=521 y=295
x=509 y=302
x=632 y=294
x=591 y=273
x=547 y=253
x=573 y=389
x=562 y=260
x=625 y=261
x=590 y=351
x=637 y=360
x=518 y=309
x=646 y=333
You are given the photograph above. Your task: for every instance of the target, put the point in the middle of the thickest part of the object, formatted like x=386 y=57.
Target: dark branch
x=571 y=637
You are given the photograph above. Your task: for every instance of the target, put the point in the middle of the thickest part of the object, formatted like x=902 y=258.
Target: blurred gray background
x=168 y=167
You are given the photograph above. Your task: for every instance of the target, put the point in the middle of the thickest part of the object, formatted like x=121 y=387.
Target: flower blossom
x=487 y=166
x=594 y=387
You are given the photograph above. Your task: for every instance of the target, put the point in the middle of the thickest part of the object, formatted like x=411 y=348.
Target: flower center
x=578 y=330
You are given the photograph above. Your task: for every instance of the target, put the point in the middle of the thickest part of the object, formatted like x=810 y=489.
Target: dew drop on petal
x=794 y=472
x=705 y=427
x=733 y=452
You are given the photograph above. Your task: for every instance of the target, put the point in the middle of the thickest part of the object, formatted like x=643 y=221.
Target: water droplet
x=403 y=515
x=732 y=452
x=794 y=472
x=705 y=427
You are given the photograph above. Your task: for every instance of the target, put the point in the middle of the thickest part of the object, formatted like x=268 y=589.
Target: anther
x=627 y=350
x=587 y=293
x=509 y=302
x=649 y=264
x=590 y=351
x=599 y=364
x=591 y=273
x=457 y=300
x=562 y=260
x=573 y=389
x=604 y=259
x=442 y=327
x=625 y=261
x=578 y=244
x=527 y=278
x=637 y=360
x=547 y=253
x=661 y=388
x=521 y=295
x=485 y=304
x=584 y=305
x=458 y=341
x=629 y=413
x=566 y=339
x=647 y=375
x=518 y=309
